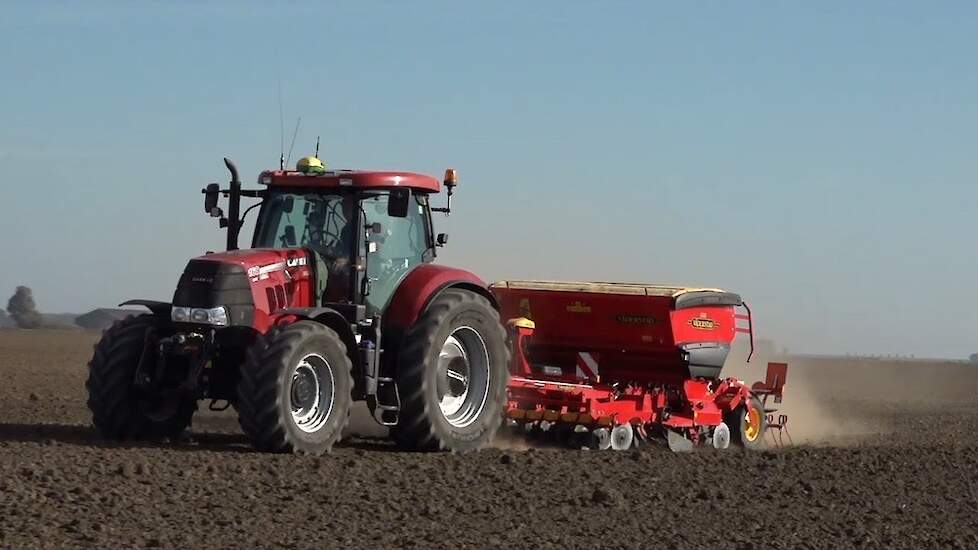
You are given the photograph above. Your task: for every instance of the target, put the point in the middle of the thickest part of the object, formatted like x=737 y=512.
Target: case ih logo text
x=703 y=323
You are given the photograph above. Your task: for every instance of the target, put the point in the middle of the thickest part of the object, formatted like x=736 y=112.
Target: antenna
x=294 y=132
x=281 y=129
x=317 y=147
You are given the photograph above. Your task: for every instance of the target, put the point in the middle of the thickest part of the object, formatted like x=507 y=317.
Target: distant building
x=101 y=319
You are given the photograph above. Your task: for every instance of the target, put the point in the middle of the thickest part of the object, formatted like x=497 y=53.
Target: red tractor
x=337 y=300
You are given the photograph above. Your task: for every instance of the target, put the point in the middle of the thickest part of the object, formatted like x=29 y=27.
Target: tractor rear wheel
x=119 y=409
x=747 y=424
x=294 y=393
x=452 y=372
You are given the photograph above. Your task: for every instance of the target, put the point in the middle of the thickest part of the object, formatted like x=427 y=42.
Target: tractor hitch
x=194 y=348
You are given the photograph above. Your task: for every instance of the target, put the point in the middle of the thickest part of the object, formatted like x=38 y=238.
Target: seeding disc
x=678 y=443
x=721 y=436
x=601 y=439
x=622 y=437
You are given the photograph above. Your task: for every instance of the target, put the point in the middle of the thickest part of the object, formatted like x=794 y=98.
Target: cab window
x=401 y=244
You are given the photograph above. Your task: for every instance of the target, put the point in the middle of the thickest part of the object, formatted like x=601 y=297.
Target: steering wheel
x=391 y=269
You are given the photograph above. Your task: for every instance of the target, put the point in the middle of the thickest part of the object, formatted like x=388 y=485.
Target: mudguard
x=324 y=315
x=332 y=319
x=160 y=309
x=327 y=316
x=422 y=285
x=413 y=295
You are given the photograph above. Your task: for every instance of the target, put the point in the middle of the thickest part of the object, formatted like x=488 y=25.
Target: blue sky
x=820 y=159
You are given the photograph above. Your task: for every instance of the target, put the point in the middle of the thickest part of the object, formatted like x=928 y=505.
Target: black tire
x=277 y=377
x=422 y=424
x=119 y=410
x=742 y=434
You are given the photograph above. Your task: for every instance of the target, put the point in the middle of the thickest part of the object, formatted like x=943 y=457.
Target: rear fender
x=424 y=284
x=421 y=286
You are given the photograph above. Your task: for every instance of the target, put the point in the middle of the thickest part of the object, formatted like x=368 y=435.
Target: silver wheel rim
x=721 y=437
x=622 y=437
x=601 y=439
x=463 y=377
x=311 y=393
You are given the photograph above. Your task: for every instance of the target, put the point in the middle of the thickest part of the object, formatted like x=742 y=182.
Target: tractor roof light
x=451 y=180
x=451 y=177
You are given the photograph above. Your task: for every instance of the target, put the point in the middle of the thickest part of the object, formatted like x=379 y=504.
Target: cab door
x=398 y=246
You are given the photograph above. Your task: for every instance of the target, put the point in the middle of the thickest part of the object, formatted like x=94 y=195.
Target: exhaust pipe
x=234 y=205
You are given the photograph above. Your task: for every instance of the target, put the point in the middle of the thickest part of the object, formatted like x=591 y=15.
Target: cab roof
x=351 y=178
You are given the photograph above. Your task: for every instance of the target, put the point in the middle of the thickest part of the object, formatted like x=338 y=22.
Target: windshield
x=326 y=224
x=320 y=222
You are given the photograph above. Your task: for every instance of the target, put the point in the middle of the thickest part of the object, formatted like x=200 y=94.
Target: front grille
x=208 y=284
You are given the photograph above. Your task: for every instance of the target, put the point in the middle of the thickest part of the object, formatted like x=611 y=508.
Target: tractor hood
x=258 y=261
x=251 y=284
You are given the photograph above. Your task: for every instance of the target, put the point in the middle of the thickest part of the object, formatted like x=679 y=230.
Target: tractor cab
x=364 y=231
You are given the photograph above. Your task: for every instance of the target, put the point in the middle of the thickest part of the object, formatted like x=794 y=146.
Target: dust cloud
x=838 y=400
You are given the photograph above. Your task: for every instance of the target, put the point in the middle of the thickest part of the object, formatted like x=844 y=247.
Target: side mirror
x=210 y=200
x=442 y=239
x=398 y=202
x=288 y=238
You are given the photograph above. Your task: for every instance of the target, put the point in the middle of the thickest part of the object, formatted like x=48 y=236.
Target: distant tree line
x=974 y=358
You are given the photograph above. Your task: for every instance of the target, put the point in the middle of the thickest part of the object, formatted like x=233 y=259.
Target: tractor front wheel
x=451 y=375
x=119 y=409
x=294 y=394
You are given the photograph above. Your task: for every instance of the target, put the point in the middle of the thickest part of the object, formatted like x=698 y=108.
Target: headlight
x=180 y=314
x=217 y=316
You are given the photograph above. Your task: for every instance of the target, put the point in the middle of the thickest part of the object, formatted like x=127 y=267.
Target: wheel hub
x=304 y=388
x=311 y=393
x=462 y=377
x=457 y=377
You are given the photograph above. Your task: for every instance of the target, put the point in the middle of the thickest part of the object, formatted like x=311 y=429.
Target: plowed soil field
x=885 y=457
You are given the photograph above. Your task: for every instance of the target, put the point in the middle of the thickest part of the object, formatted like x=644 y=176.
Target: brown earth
x=903 y=474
